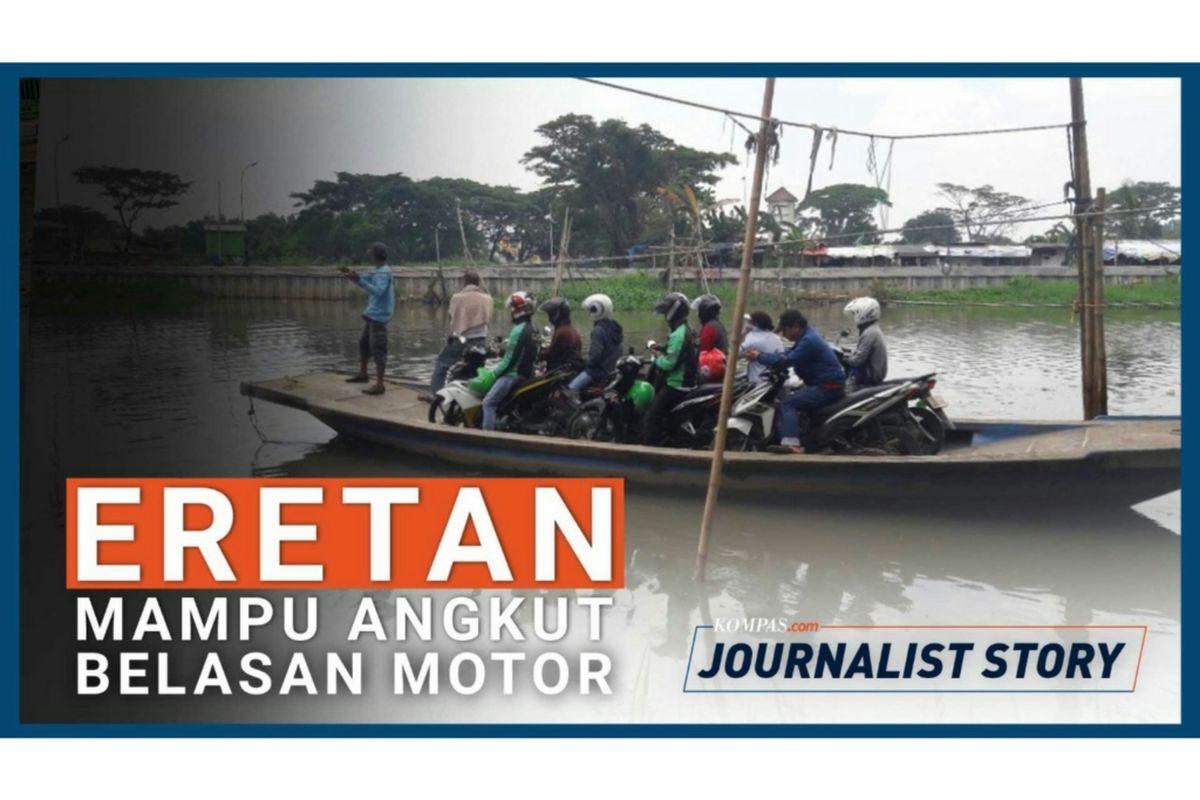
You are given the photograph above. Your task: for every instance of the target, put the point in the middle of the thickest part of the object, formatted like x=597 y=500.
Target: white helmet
x=864 y=310
x=599 y=306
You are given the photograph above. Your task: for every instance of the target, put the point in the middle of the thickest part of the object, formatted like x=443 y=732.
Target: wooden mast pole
x=562 y=252
x=714 y=476
x=1090 y=237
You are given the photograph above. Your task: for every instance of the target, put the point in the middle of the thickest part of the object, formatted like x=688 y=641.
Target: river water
x=158 y=396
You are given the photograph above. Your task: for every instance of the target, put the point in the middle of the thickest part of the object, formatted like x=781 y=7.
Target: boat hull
x=1113 y=462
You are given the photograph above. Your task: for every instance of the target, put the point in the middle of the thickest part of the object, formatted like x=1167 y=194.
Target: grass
x=637 y=290
x=1026 y=290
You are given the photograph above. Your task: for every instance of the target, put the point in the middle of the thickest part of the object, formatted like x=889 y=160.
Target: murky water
x=160 y=397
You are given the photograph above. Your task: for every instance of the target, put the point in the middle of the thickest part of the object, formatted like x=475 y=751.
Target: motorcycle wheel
x=844 y=439
x=448 y=415
x=931 y=436
x=591 y=424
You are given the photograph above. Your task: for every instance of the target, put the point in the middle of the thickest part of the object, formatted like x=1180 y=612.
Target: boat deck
x=1134 y=457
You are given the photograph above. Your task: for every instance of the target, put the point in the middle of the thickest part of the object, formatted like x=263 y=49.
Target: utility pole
x=57 y=199
x=242 y=189
x=714 y=476
x=1089 y=232
x=220 y=225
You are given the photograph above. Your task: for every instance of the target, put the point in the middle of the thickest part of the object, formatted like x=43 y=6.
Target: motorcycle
x=460 y=400
x=692 y=421
x=535 y=406
x=898 y=417
x=615 y=415
x=916 y=428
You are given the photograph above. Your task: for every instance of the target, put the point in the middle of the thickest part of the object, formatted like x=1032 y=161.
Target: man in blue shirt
x=381 y=304
x=815 y=363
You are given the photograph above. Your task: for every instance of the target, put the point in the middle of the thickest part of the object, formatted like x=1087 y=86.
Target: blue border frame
x=10 y=404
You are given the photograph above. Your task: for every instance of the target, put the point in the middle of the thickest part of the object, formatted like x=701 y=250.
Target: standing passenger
x=381 y=304
x=470 y=314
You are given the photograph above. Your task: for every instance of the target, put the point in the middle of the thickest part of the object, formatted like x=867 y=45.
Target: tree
x=983 y=212
x=932 y=227
x=132 y=191
x=1142 y=194
x=1061 y=233
x=609 y=174
x=844 y=211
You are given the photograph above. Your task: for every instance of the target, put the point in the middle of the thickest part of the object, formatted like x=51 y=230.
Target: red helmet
x=521 y=304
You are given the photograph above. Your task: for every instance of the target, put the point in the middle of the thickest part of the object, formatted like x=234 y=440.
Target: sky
x=302 y=130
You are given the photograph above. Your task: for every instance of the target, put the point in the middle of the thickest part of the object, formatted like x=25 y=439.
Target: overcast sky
x=302 y=130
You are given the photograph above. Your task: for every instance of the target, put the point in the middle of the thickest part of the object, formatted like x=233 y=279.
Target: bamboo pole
x=1099 y=355
x=462 y=231
x=714 y=475
x=562 y=247
x=671 y=261
x=1090 y=235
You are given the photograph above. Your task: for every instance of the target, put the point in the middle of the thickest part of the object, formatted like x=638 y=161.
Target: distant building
x=224 y=242
x=782 y=205
x=972 y=254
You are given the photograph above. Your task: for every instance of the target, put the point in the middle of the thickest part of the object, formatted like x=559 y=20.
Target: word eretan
x=244 y=533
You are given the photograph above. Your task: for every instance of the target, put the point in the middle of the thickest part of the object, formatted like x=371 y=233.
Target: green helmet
x=640 y=394
x=482 y=382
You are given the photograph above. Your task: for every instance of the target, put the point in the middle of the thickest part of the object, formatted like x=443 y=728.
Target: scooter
x=527 y=409
x=460 y=400
x=692 y=421
x=879 y=420
x=615 y=415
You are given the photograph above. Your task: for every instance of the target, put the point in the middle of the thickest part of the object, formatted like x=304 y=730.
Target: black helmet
x=558 y=310
x=673 y=306
x=707 y=306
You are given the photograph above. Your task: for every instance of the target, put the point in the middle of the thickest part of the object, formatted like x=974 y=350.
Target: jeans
x=806 y=399
x=580 y=382
x=500 y=390
x=446 y=359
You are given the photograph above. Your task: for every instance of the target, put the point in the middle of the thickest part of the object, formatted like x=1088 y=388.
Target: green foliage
x=1142 y=194
x=132 y=191
x=610 y=175
x=1025 y=289
x=844 y=212
x=931 y=227
x=985 y=213
x=731 y=227
x=639 y=290
x=1061 y=233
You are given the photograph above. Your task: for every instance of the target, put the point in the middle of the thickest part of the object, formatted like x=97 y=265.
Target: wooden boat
x=1108 y=461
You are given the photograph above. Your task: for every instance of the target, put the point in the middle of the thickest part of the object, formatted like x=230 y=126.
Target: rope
x=813 y=127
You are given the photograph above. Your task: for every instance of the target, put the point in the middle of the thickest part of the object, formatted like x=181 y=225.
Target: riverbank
x=637 y=289
x=1025 y=291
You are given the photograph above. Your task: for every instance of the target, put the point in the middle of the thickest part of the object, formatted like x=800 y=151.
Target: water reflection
x=160 y=397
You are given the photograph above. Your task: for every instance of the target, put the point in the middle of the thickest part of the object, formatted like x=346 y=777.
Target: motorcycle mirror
x=631 y=350
x=845 y=333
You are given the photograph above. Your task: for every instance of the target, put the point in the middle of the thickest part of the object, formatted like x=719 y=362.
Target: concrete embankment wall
x=325 y=283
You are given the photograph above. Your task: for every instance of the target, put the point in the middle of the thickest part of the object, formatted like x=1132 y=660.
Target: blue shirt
x=811 y=357
x=381 y=294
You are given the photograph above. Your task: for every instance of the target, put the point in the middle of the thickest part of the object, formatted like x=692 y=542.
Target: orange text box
x=258 y=533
